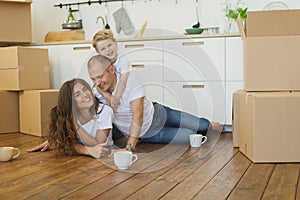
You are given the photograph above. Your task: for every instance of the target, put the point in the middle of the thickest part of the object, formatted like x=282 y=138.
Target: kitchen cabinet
x=234 y=59
x=198 y=75
x=234 y=72
x=195 y=59
x=202 y=99
x=73 y=60
x=231 y=87
x=194 y=76
x=146 y=62
x=54 y=64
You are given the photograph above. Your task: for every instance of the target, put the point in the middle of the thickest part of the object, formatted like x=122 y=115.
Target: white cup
x=123 y=159
x=196 y=140
x=8 y=153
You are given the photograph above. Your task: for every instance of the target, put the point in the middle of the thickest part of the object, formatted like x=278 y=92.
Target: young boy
x=106 y=45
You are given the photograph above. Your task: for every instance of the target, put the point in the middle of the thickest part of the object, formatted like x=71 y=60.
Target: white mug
x=196 y=140
x=123 y=159
x=7 y=153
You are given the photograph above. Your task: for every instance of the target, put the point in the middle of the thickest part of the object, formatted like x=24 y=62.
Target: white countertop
x=193 y=36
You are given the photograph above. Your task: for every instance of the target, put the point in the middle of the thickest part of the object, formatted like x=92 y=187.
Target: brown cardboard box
x=23 y=68
x=269 y=126
x=35 y=106
x=272 y=23
x=9 y=112
x=236 y=117
x=271 y=63
x=15 y=22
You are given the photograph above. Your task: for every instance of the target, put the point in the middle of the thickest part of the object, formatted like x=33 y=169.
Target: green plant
x=232 y=11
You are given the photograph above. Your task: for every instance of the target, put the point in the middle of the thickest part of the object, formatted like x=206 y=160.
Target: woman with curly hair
x=79 y=123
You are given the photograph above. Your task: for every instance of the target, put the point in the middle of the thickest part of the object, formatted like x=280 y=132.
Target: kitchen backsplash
x=165 y=17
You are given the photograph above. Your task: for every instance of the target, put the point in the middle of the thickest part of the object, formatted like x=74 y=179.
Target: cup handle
x=18 y=150
x=205 y=138
x=135 y=157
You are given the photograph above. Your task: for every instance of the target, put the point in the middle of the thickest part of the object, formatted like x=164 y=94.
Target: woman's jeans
x=173 y=126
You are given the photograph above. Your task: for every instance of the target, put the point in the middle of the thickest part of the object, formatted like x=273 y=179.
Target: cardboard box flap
x=241 y=27
x=272 y=23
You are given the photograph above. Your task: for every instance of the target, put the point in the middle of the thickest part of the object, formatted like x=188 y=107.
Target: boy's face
x=107 y=48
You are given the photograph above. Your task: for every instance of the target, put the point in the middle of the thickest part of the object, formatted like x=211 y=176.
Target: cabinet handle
x=192 y=43
x=134 y=46
x=193 y=86
x=81 y=48
x=138 y=66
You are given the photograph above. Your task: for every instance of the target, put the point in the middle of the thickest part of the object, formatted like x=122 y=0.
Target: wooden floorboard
x=253 y=183
x=217 y=171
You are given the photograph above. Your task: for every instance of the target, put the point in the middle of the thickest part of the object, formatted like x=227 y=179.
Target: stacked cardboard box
x=25 y=95
x=15 y=21
x=266 y=111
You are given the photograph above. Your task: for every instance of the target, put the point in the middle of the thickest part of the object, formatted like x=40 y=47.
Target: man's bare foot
x=216 y=126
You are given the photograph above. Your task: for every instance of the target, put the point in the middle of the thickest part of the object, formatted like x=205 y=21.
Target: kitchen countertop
x=193 y=36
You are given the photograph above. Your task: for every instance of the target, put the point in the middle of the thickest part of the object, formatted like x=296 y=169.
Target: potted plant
x=233 y=10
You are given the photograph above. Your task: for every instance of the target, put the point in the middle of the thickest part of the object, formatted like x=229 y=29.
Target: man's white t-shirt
x=101 y=121
x=123 y=115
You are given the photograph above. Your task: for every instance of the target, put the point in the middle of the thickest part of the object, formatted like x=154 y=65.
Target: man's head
x=102 y=73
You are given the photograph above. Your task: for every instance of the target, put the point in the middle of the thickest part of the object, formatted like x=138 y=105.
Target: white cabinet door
x=150 y=72
x=54 y=64
x=231 y=87
x=194 y=59
x=145 y=58
x=234 y=59
x=202 y=99
x=141 y=50
x=73 y=61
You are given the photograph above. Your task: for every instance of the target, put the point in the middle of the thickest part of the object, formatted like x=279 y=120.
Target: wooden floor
x=217 y=171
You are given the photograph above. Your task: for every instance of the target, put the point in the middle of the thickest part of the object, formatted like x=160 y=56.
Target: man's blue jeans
x=173 y=126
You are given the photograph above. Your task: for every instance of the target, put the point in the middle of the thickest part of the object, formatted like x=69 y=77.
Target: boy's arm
x=115 y=100
x=122 y=84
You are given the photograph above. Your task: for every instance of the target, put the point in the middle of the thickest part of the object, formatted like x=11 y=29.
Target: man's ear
x=112 y=69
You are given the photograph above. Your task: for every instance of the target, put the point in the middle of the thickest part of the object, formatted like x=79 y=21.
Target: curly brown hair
x=62 y=130
x=102 y=35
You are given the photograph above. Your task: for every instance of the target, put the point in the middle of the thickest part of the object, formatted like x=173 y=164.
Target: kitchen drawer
x=151 y=73
x=73 y=61
x=202 y=99
x=194 y=60
x=141 y=50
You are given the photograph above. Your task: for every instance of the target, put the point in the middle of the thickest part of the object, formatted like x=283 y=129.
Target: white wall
x=166 y=15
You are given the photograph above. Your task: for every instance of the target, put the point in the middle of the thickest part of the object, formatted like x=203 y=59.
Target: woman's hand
x=42 y=147
x=99 y=150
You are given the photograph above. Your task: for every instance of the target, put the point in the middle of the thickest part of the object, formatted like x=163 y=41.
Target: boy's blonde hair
x=102 y=35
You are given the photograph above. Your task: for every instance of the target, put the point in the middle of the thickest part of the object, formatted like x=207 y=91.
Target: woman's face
x=83 y=97
x=108 y=48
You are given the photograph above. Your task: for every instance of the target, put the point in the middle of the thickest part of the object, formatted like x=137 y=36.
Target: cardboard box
x=9 y=112
x=236 y=117
x=271 y=63
x=269 y=126
x=35 y=107
x=23 y=68
x=16 y=22
x=272 y=23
